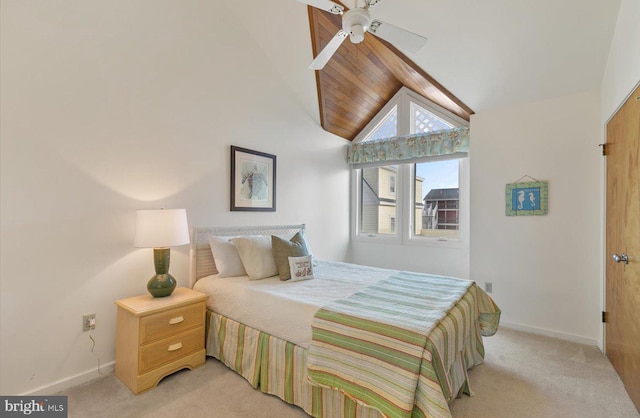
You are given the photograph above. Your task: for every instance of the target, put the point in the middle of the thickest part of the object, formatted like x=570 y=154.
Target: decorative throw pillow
x=226 y=257
x=301 y=268
x=283 y=249
x=303 y=238
x=256 y=256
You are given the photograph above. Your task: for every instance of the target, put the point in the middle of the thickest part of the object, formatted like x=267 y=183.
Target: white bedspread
x=285 y=309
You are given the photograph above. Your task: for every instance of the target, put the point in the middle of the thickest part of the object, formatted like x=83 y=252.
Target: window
x=377 y=198
x=418 y=201
x=436 y=182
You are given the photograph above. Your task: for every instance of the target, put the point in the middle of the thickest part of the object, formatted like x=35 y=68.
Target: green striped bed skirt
x=278 y=367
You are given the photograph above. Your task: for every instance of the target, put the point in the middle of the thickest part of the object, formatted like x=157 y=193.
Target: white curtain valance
x=400 y=149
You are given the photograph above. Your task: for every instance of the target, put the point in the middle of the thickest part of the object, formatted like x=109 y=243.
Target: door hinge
x=605 y=317
x=604 y=148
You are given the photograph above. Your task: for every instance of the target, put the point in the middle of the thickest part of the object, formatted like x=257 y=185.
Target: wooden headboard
x=202 y=263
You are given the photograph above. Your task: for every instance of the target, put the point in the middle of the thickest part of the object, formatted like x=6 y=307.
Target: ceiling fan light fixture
x=357 y=34
x=356 y=22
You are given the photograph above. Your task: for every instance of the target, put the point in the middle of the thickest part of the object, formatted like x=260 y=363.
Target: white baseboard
x=550 y=333
x=72 y=381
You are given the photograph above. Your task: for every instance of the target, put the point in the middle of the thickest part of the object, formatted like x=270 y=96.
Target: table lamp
x=160 y=229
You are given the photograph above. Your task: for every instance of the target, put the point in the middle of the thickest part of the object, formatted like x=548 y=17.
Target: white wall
x=427 y=259
x=622 y=72
x=545 y=269
x=112 y=106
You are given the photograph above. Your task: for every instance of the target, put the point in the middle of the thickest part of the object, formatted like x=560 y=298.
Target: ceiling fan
x=355 y=23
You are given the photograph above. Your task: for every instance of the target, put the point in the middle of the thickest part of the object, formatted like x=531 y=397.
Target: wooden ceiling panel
x=361 y=78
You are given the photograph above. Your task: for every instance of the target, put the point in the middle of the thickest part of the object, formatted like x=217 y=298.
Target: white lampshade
x=161 y=228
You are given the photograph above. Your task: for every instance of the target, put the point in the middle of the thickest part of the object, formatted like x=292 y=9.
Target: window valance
x=403 y=148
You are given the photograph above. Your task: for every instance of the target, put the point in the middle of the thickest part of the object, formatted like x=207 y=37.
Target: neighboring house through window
x=441 y=211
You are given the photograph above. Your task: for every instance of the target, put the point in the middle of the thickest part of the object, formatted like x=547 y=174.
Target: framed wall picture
x=527 y=198
x=253 y=180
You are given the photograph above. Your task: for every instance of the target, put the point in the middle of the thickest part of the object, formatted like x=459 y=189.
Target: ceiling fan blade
x=326 y=5
x=325 y=55
x=399 y=37
x=372 y=3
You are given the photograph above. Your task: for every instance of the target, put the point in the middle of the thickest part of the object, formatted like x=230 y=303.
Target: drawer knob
x=176 y=320
x=174 y=347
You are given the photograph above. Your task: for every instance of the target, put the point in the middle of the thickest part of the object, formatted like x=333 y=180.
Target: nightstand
x=159 y=336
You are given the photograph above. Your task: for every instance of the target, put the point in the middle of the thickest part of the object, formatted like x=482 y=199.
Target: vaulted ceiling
x=479 y=55
x=361 y=78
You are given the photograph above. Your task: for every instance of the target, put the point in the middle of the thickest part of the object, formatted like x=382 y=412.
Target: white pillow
x=301 y=268
x=256 y=256
x=226 y=257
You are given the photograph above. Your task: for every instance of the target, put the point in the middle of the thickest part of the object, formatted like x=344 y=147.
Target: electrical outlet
x=88 y=322
x=488 y=287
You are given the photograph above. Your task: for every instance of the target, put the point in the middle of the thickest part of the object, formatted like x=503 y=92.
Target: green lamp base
x=161 y=285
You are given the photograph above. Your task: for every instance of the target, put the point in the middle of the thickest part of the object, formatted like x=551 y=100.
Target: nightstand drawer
x=172 y=322
x=170 y=349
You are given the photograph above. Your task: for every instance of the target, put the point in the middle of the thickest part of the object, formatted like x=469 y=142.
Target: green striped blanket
x=371 y=345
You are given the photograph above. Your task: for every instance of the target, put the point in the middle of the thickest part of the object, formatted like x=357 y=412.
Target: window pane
x=437 y=199
x=425 y=121
x=388 y=127
x=378 y=200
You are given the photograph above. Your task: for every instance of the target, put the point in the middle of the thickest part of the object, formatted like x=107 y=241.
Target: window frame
x=405 y=180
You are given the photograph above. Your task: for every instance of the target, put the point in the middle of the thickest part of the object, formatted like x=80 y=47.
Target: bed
x=341 y=344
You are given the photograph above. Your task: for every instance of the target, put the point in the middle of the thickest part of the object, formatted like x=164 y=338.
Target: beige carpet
x=524 y=375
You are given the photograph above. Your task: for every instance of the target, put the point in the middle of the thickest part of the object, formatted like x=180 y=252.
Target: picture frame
x=527 y=198
x=253 y=180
